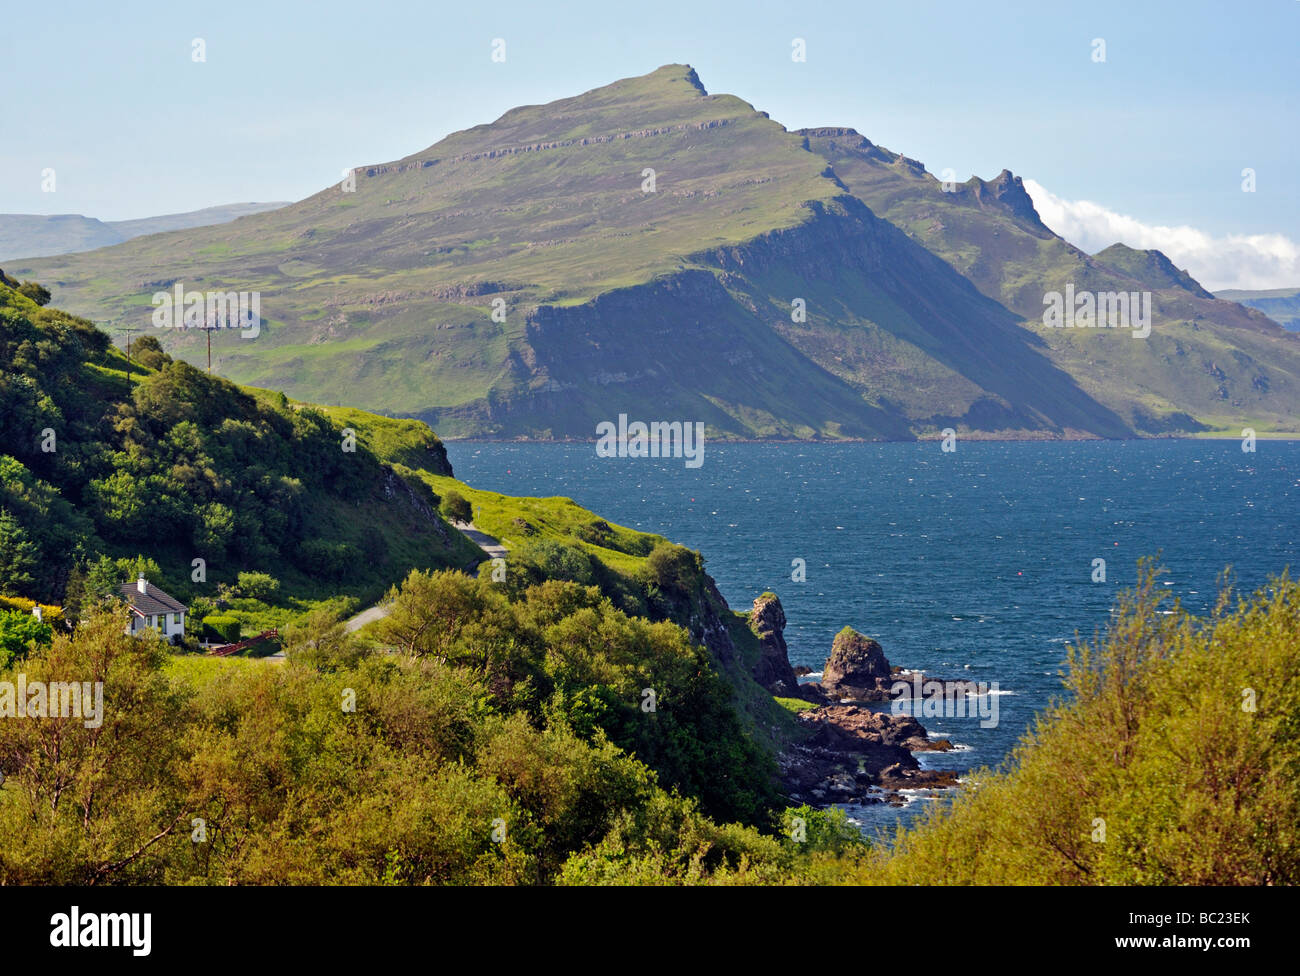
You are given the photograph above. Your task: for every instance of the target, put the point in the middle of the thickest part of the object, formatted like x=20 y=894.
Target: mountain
x=670 y=254
x=33 y=235
x=1206 y=364
x=1282 y=305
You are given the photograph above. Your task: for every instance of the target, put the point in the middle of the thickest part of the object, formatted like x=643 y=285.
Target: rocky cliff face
x=716 y=342
x=773 y=671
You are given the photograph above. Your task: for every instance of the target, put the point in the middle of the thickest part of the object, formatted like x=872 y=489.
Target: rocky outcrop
x=1007 y=192
x=772 y=671
x=851 y=754
x=857 y=669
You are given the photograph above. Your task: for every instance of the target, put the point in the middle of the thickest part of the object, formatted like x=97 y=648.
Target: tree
x=148 y=351
x=35 y=291
x=455 y=507
x=19 y=632
x=19 y=556
x=259 y=586
x=673 y=567
x=91 y=798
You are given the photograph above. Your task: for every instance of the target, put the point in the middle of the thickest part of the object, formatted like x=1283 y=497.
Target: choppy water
x=974 y=564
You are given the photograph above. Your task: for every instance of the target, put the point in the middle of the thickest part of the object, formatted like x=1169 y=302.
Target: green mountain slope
x=1206 y=363
x=517 y=279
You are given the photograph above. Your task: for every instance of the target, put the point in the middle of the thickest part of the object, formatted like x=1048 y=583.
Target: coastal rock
x=849 y=753
x=857 y=668
x=773 y=671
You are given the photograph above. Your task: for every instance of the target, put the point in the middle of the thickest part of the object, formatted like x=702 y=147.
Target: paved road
x=368 y=616
x=491 y=546
x=487 y=543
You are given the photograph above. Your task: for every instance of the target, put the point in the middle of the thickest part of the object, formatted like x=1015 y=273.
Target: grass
x=795 y=705
x=556 y=518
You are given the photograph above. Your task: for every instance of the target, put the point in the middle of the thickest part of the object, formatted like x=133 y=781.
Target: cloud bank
x=1250 y=261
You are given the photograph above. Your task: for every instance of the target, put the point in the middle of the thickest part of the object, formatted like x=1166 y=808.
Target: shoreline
x=926 y=438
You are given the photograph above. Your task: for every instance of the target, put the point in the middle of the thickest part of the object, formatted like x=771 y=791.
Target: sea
x=979 y=563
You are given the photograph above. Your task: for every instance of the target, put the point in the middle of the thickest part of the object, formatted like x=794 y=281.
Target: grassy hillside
x=672 y=303
x=174 y=465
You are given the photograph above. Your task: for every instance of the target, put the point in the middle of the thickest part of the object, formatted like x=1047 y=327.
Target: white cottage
x=153 y=609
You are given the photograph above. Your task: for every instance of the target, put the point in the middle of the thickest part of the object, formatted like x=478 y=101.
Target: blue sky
x=1190 y=94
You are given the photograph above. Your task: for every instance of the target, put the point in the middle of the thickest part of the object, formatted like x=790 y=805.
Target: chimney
x=140 y=584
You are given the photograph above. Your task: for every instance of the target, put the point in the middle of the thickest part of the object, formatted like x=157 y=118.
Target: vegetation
x=349 y=766
x=455 y=508
x=214 y=482
x=19 y=634
x=505 y=743
x=1176 y=761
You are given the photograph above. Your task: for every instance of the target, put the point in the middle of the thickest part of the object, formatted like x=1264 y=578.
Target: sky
x=1150 y=142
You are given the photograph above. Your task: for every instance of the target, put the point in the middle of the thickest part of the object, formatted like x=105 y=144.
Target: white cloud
x=1252 y=261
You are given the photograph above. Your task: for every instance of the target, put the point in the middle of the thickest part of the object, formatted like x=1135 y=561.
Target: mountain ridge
x=434 y=289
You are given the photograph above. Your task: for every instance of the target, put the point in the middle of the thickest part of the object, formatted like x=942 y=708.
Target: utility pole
x=208 y=325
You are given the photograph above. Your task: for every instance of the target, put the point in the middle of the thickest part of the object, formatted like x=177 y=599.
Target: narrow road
x=491 y=546
x=367 y=616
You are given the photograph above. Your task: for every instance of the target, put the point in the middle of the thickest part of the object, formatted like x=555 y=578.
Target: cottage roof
x=152 y=600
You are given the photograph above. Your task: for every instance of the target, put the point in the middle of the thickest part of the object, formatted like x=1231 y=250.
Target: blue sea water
x=973 y=564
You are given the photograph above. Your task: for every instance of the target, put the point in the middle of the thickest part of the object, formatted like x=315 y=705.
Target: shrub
x=259 y=586
x=556 y=561
x=673 y=567
x=222 y=627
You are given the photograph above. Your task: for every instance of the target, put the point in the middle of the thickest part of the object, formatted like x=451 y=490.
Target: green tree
x=456 y=508
x=19 y=557
x=19 y=633
x=258 y=586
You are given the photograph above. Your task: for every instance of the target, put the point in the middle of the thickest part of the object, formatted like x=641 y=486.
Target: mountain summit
x=652 y=249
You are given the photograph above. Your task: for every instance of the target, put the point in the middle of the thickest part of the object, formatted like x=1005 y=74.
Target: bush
x=259 y=586
x=1176 y=761
x=555 y=561
x=148 y=351
x=222 y=627
x=673 y=567
x=200 y=607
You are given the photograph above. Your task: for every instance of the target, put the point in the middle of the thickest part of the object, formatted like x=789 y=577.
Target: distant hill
x=654 y=250
x=33 y=235
x=1282 y=305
